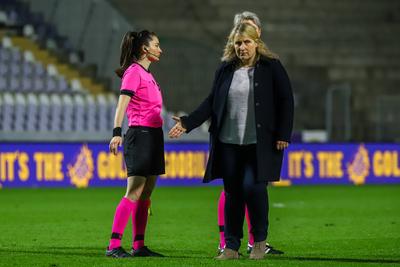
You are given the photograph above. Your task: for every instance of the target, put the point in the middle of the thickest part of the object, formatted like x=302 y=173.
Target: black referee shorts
x=144 y=151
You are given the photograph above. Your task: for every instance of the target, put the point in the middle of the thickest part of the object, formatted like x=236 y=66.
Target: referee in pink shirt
x=143 y=143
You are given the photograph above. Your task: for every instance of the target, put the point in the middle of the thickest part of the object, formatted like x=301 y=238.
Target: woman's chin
x=154 y=59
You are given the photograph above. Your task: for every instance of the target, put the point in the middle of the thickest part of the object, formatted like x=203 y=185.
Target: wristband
x=117 y=131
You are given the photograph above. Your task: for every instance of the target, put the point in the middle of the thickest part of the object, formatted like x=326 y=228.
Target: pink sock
x=121 y=217
x=139 y=221
x=221 y=219
x=251 y=236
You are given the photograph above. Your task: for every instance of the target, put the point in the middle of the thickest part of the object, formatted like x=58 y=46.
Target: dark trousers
x=239 y=172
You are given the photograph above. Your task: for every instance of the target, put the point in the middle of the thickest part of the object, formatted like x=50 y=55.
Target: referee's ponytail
x=131 y=49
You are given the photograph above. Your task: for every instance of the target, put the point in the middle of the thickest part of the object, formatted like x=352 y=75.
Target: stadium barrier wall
x=84 y=165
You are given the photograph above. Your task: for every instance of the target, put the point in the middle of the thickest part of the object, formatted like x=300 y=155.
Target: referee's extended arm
x=116 y=141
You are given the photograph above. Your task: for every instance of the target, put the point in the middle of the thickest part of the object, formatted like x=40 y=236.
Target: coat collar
x=264 y=60
x=232 y=63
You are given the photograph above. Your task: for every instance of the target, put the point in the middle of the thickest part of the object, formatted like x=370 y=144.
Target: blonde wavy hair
x=251 y=32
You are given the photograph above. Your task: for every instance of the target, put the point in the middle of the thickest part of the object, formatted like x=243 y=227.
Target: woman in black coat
x=251 y=110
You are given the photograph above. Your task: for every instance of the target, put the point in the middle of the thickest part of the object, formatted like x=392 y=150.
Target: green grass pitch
x=314 y=225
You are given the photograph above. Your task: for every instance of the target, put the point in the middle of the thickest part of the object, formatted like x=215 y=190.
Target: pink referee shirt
x=144 y=109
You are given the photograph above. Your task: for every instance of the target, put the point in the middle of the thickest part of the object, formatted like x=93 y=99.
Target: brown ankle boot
x=258 y=251
x=228 y=254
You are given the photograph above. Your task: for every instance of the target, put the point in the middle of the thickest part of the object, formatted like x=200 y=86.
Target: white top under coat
x=238 y=124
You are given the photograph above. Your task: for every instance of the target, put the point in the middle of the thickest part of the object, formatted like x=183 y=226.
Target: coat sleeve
x=284 y=102
x=204 y=110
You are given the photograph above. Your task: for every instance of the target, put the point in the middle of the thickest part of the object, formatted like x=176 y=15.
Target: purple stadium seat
x=5 y=54
x=32 y=112
x=8 y=112
x=15 y=68
x=16 y=55
x=91 y=114
x=55 y=113
x=4 y=68
x=50 y=85
x=26 y=84
x=38 y=84
x=67 y=113
x=62 y=84
x=112 y=104
x=20 y=112
x=79 y=113
x=44 y=113
x=14 y=84
x=3 y=83
x=39 y=70
x=27 y=69
x=102 y=113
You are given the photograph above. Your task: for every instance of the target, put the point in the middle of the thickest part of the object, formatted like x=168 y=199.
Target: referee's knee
x=133 y=195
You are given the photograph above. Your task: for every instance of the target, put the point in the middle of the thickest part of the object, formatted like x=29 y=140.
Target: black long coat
x=273 y=103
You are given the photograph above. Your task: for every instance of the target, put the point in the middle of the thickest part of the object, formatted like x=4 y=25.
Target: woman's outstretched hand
x=281 y=145
x=177 y=130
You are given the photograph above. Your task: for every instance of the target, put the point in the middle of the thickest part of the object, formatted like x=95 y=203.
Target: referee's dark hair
x=131 y=48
